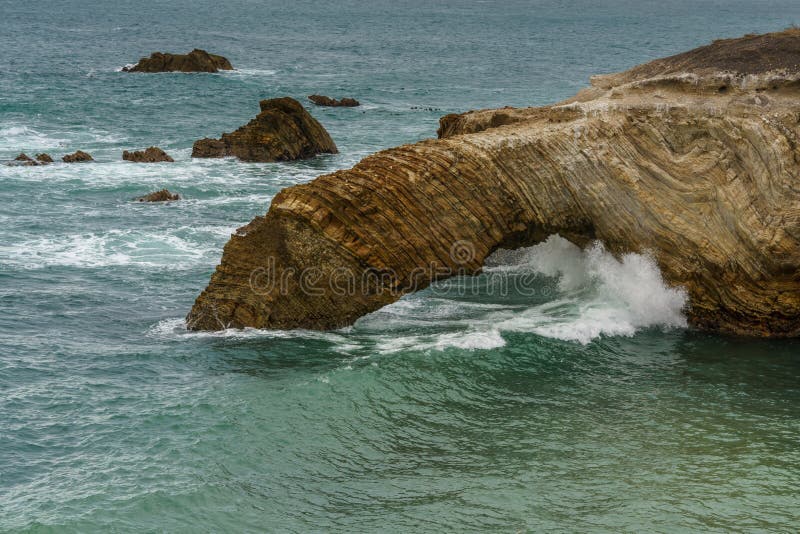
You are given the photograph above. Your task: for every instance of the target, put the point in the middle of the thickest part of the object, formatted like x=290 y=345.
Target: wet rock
x=322 y=100
x=283 y=131
x=44 y=158
x=195 y=61
x=159 y=196
x=78 y=157
x=149 y=155
x=24 y=160
x=653 y=160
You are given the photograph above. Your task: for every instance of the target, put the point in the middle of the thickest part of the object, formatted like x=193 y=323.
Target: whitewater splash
x=583 y=294
x=591 y=294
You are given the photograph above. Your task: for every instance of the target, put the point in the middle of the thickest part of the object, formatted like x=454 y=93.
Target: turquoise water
x=584 y=404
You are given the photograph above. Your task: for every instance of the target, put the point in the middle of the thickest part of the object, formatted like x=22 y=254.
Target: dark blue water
x=584 y=405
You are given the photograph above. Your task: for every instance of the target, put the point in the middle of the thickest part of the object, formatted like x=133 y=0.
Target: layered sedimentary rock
x=152 y=154
x=163 y=195
x=77 y=157
x=322 y=100
x=195 y=61
x=693 y=159
x=283 y=131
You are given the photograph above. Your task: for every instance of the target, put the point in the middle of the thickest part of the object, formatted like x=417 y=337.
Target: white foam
x=249 y=72
x=594 y=295
x=165 y=250
x=601 y=295
x=21 y=138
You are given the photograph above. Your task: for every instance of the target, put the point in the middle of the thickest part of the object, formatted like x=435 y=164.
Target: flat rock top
x=747 y=55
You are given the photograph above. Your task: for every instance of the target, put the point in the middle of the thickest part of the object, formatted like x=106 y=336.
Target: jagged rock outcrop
x=693 y=158
x=195 y=61
x=159 y=196
x=77 y=157
x=44 y=158
x=322 y=100
x=152 y=154
x=283 y=131
x=24 y=160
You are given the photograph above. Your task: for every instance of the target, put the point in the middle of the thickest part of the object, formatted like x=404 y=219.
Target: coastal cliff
x=693 y=159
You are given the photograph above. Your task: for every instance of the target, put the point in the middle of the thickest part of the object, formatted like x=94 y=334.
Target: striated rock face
x=78 y=157
x=195 y=61
x=159 y=196
x=148 y=155
x=283 y=131
x=694 y=159
x=321 y=100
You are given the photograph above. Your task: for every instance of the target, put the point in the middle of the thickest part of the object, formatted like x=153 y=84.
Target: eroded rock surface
x=77 y=157
x=152 y=154
x=692 y=158
x=159 y=196
x=44 y=158
x=195 y=61
x=283 y=131
x=322 y=100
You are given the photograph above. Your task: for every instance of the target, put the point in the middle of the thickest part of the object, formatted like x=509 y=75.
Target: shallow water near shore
x=560 y=390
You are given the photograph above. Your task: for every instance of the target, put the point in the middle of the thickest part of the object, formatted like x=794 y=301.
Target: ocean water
x=560 y=390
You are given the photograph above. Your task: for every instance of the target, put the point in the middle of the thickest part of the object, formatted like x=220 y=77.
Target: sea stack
x=195 y=61
x=692 y=158
x=283 y=131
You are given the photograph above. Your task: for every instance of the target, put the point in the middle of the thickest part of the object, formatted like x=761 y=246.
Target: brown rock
x=159 y=196
x=149 y=155
x=283 y=131
x=321 y=100
x=209 y=148
x=653 y=159
x=78 y=157
x=44 y=159
x=24 y=160
x=195 y=61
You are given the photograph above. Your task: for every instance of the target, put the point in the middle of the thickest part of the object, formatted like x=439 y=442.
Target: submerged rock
x=283 y=131
x=159 y=196
x=693 y=159
x=148 y=155
x=195 y=61
x=44 y=158
x=78 y=157
x=321 y=100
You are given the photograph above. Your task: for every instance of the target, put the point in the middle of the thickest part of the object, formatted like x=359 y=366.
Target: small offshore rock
x=159 y=196
x=24 y=160
x=44 y=158
x=283 y=131
x=195 y=61
x=78 y=157
x=322 y=100
x=149 y=155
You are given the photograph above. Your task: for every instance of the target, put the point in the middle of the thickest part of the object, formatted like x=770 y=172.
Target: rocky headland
x=282 y=131
x=692 y=158
x=195 y=61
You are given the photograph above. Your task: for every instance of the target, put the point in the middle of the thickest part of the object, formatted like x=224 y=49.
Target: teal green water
x=582 y=405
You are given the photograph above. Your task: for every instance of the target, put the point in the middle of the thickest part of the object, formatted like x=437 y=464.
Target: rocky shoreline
x=693 y=159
